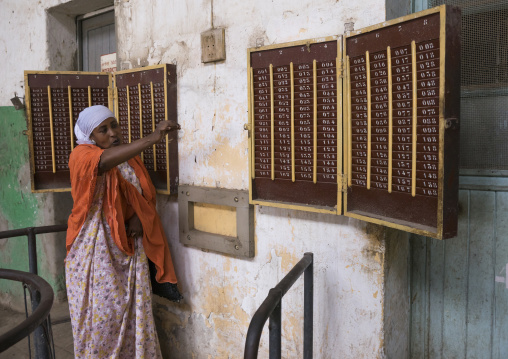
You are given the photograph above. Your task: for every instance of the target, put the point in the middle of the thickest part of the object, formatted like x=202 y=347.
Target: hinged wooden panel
x=54 y=101
x=145 y=97
x=295 y=125
x=402 y=110
x=140 y=99
x=399 y=82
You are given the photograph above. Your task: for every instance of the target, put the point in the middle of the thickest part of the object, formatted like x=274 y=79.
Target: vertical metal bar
x=308 y=305
x=26 y=315
x=128 y=113
x=40 y=342
x=292 y=121
x=32 y=251
x=390 y=118
x=272 y=110
x=275 y=327
x=52 y=133
x=89 y=96
x=415 y=108
x=314 y=174
x=69 y=91
x=140 y=118
x=153 y=126
x=369 y=118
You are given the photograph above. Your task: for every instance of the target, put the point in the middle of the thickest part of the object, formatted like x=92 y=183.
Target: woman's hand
x=164 y=127
x=134 y=227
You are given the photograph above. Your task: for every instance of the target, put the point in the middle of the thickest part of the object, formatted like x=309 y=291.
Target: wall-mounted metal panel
x=54 y=101
x=395 y=155
x=140 y=99
x=403 y=88
x=145 y=97
x=295 y=125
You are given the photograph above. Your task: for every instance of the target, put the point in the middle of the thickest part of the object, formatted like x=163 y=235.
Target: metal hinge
x=344 y=183
x=342 y=69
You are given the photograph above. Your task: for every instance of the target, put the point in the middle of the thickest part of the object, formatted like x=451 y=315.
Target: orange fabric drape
x=120 y=202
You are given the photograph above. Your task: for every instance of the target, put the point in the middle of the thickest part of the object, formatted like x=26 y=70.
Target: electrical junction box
x=213 y=45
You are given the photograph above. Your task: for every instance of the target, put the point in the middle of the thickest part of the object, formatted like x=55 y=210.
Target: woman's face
x=107 y=134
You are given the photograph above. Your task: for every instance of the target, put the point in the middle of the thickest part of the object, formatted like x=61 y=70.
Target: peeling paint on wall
x=19 y=208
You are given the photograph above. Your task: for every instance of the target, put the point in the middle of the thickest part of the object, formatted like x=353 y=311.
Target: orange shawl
x=121 y=201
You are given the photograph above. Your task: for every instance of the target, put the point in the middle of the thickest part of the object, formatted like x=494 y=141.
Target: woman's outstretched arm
x=114 y=155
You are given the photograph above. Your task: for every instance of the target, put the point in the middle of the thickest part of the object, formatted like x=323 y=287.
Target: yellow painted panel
x=215 y=219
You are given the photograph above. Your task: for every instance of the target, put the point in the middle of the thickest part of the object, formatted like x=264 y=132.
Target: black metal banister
x=271 y=308
x=38 y=287
x=41 y=332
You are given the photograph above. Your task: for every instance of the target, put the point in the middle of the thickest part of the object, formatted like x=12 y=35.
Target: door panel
x=459 y=291
x=97 y=38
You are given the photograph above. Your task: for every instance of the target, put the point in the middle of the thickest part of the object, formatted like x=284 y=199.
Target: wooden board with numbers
x=403 y=89
x=393 y=160
x=295 y=132
x=55 y=99
x=145 y=97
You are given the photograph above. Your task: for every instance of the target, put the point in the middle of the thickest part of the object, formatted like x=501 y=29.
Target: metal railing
x=39 y=321
x=42 y=296
x=271 y=308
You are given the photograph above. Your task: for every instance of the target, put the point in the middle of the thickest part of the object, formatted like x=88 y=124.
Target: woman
x=112 y=230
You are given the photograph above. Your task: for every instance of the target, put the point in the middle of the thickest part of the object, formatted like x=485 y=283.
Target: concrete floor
x=62 y=332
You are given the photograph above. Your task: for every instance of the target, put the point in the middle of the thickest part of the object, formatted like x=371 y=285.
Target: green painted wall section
x=19 y=207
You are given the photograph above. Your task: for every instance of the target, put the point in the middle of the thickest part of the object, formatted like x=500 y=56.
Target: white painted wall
x=221 y=292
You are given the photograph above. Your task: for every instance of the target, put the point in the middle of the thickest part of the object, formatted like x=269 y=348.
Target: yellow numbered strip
x=167 y=136
x=69 y=91
x=314 y=70
x=153 y=127
x=292 y=122
x=252 y=120
x=272 y=122
x=50 y=105
x=129 y=114
x=415 y=108
x=140 y=118
x=350 y=123
x=390 y=119
x=369 y=119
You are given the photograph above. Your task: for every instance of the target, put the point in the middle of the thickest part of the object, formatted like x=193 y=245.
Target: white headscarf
x=88 y=120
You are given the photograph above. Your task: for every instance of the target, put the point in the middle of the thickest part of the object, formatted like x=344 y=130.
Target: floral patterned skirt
x=109 y=293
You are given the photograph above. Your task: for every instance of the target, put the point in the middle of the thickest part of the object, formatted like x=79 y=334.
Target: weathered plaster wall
x=221 y=292
x=31 y=38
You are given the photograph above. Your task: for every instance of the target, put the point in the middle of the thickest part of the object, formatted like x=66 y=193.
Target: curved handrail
x=269 y=305
x=40 y=314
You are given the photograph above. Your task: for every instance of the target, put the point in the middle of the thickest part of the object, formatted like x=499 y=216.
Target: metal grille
x=484 y=80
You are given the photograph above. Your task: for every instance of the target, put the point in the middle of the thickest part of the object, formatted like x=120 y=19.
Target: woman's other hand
x=134 y=227
x=164 y=127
